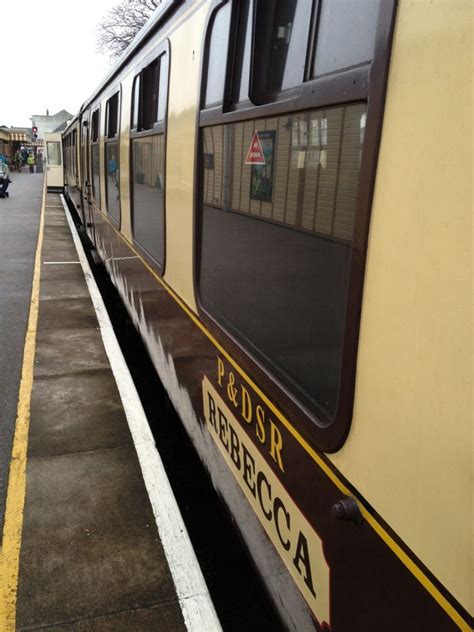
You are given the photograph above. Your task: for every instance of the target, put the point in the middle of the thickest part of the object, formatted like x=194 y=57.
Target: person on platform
x=4 y=179
x=39 y=162
x=18 y=161
x=30 y=161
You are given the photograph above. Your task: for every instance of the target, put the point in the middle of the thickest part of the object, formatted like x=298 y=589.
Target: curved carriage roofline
x=161 y=13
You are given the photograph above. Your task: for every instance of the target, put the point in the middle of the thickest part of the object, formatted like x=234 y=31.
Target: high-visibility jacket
x=30 y=160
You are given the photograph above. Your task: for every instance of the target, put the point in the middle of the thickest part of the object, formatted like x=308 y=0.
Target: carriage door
x=54 y=162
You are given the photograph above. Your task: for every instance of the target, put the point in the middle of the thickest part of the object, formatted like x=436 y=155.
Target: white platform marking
x=59 y=263
x=196 y=604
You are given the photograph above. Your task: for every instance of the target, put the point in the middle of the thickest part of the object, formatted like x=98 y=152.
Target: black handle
x=347 y=509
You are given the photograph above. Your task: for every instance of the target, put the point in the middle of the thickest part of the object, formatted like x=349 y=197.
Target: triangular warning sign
x=255 y=154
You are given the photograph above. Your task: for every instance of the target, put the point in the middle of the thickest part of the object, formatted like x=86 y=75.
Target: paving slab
x=60 y=288
x=89 y=542
x=76 y=413
x=59 y=250
x=67 y=312
x=65 y=271
x=64 y=351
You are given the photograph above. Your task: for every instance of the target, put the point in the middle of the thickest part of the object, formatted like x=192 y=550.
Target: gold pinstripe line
x=376 y=526
x=13 y=523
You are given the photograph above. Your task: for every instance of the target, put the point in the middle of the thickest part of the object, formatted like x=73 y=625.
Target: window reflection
x=290 y=39
x=95 y=167
x=113 y=180
x=314 y=168
x=216 y=58
x=346 y=34
x=245 y=56
x=54 y=153
x=148 y=200
x=276 y=240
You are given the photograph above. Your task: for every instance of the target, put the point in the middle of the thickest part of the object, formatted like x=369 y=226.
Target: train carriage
x=281 y=193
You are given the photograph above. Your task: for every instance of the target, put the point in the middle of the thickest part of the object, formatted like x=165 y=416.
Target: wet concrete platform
x=19 y=223
x=91 y=558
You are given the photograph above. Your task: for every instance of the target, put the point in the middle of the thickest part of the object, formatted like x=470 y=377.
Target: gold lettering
x=220 y=371
x=232 y=390
x=276 y=445
x=246 y=405
x=260 y=429
x=294 y=538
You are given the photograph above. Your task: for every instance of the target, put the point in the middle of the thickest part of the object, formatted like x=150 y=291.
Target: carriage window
x=339 y=42
x=281 y=39
x=230 y=46
x=286 y=181
x=95 y=168
x=149 y=96
x=95 y=159
x=216 y=56
x=95 y=127
x=66 y=158
x=244 y=45
x=136 y=100
x=112 y=160
x=148 y=199
x=74 y=154
x=112 y=115
x=112 y=182
x=298 y=197
x=148 y=156
x=162 y=89
x=84 y=155
x=54 y=153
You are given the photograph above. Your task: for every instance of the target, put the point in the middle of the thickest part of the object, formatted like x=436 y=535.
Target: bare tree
x=120 y=25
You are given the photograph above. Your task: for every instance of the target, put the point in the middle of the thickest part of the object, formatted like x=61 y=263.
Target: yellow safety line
x=13 y=523
x=376 y=526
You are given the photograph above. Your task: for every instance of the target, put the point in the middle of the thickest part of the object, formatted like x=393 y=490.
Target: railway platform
x=85 y=543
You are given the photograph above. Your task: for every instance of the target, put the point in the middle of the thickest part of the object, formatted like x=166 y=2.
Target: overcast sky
x=49 y=56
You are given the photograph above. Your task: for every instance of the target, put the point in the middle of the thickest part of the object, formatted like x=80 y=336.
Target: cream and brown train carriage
x=281 y=193
x=74 y=165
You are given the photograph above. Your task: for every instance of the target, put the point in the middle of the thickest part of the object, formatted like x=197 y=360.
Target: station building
x=12 y=138
x=49 y=123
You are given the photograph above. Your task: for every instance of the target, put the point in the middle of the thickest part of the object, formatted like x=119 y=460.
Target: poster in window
x=261 y=176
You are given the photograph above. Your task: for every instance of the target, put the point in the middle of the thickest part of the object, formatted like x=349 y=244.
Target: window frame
x=65 y=140
x=159 y=127
x=116 y=91
x=84 y=122
x=94 y=141
x=365 y=83
x=93 y=138
x=75 y=149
